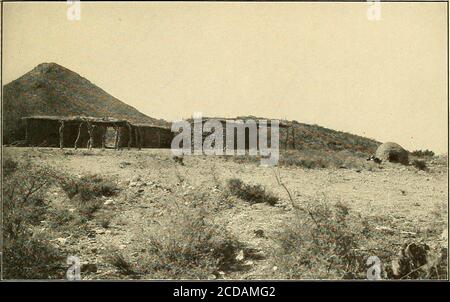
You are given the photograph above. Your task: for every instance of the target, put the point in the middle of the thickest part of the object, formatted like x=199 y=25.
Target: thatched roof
x=225 y=119
x=142 y=125
x=75 y=118
x=91 y=119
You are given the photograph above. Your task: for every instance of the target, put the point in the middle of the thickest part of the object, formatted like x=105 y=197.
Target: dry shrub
x=251 y=193
x=189 y=245
x=420 y=164
x=117 y=260
x=58 y=218
x=9 y=166
x=87 y=190
x=178 y=160
x=26 y=256
x=89 y=187
x=327 y=241
x=422 y=153
x=321 y=244
x=105 y=221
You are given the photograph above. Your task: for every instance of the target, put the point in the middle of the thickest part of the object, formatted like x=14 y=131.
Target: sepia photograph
x=224 y=141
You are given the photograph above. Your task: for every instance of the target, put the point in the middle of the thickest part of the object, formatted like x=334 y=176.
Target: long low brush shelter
x=90 y=132
x=146 y=136
x=223 y=121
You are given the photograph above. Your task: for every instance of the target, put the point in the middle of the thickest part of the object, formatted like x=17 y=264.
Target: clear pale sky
x=318 y=63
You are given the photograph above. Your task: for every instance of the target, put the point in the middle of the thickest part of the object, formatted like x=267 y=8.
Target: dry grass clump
x=87 y=190
x=420 y=164
x=321 y=244
x=124 y=267
x=189 y=245
x=251 y=193
x=9 y=166
x=89 y=187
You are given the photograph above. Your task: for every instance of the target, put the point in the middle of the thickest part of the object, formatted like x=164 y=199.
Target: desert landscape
x=141 y=214
x=94 y=186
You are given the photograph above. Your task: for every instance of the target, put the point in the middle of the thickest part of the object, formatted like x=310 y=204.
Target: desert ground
x=386 y=207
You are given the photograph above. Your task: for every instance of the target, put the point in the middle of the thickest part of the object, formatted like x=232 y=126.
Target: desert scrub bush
x=178 y=160
x=104 y=220
x=117 y=260
x=58 y=218
x=89 y=187
x=86 y=192
x=420 y=164
x=9 y=166
x=308 y=160
x=250 y=193
x=25 y=256
x=189 y=245
x=422 y=153
x=321 y=244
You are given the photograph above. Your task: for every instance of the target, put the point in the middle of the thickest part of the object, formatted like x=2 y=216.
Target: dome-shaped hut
x=392 y=152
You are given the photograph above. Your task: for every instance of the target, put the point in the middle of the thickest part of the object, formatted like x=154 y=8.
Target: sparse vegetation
x=321 y=243
x=25 y=255
x=104 y=221
x=89 y=187
x=117 y=260
x=326 y=242
x=251 y=193
x=9 y=166
x=179 y=160
x=321 y=160
x=181 y=227
x=60 y=218
x=189 y=245
x=422 y=153
x=420 y=164
x=87 y=190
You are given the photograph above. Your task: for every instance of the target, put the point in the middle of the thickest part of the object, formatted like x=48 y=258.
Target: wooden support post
x=257 y=137
x=117 y=145
x=130 y=135
x=78 y=135
x=159 y=138
x=136 y=138
x=286 y=142
x=104 y=130
x=61 y=135
x=91 y=135
x=293 y=137
x=140 y=138
x=26 y=132
x=119 y=137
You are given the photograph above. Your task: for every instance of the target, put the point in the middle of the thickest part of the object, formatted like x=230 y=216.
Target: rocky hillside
x=314 y=138
x=50 y=89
